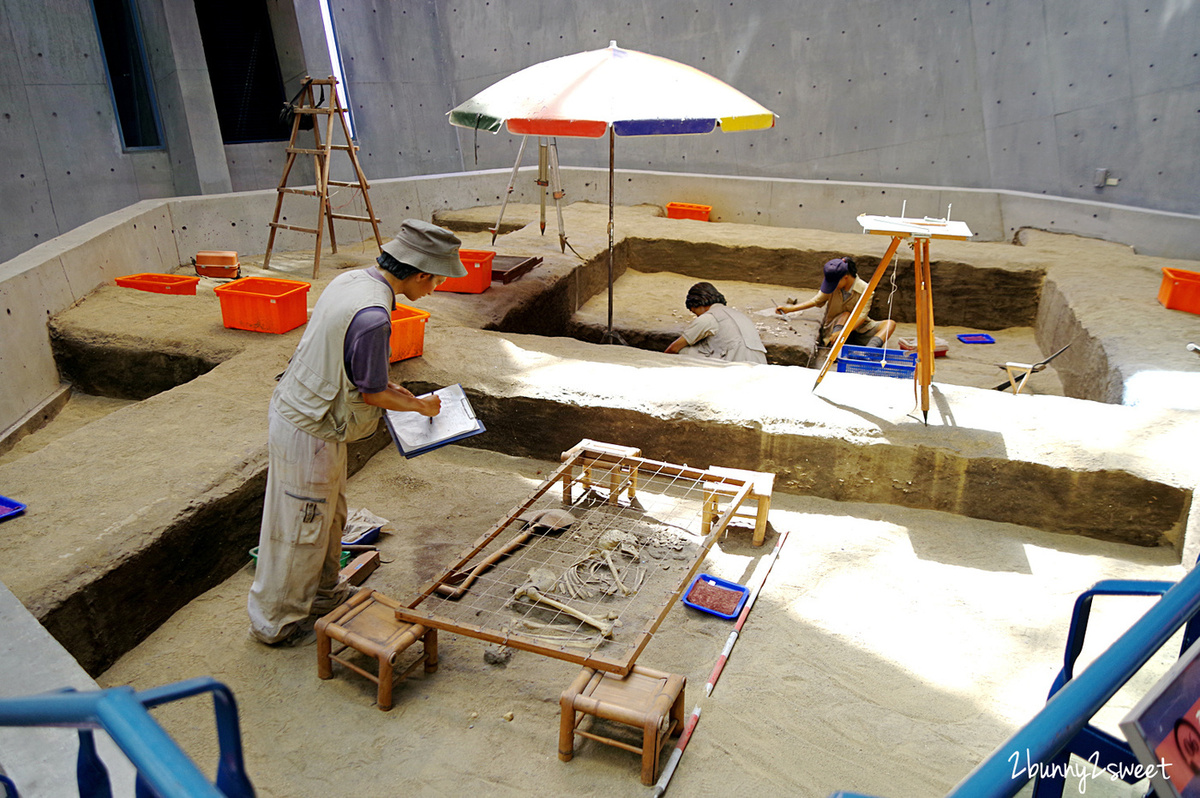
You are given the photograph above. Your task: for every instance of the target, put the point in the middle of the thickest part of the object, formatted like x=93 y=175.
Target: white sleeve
x=704 y=326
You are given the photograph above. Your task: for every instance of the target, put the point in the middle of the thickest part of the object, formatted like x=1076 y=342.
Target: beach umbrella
x=615 y=91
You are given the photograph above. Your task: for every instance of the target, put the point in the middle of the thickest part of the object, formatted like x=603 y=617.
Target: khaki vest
x=736 y=338
x=315 y=393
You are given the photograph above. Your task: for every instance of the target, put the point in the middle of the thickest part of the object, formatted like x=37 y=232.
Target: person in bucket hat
x=334 y=390
x=427 y=248
x=840 y=290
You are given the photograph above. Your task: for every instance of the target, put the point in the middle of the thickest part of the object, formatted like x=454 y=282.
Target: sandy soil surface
x=889 y=652
x=878 y=657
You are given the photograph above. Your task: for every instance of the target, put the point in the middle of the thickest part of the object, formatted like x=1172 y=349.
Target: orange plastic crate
x=479 y=273
x=1180 y=290
x=217 y=263
x=686 y=210
x=160 y=283
x=408 y=332
x=263 y=304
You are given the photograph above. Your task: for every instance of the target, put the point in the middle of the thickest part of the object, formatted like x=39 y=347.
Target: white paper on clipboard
x=414 y=433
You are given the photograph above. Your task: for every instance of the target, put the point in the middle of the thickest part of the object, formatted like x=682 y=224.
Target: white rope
x=891 y=296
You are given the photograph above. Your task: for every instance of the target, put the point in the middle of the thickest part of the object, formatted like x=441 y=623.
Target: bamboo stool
x=367 y=623
x=620 y=478
x=761 y=485
x=645 y=699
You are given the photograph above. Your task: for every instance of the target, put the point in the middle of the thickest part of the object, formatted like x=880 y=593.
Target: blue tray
x=877 y=361
x=976 y=338
x=370 y=536
x=717 y=582
x=10 y=508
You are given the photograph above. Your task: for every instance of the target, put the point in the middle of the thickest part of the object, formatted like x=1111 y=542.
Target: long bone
x=541 y=579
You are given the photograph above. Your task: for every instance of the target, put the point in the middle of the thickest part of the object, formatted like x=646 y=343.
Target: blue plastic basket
x=872 y=360
x=10 y=508
x=717 y=581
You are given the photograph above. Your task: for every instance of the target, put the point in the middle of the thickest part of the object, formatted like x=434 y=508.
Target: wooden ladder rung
x=310 y=106
x=298 y=229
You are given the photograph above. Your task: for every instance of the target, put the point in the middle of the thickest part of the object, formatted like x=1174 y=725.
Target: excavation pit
x=185 y=516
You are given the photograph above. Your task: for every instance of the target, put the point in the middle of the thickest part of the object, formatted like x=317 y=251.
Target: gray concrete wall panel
x=194 y=134
x=27 y=368
x=152 y=173
x=1164 y=45
x=80 y=149
x=1033 y=145
x=1170 y=124
x=1087 y=49
x=1090 y=139
x=237 y=222
x=56 y=42
x=252 y=166
x=10 y=63
x=25 y=201
x=406 y=144
x=1010 y=46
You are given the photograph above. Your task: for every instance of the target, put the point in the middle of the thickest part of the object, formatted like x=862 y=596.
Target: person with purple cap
x=839 y=293
x=334 y=390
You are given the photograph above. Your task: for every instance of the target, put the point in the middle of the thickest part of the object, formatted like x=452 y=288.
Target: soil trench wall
x=1107 y=504
x=966 y=295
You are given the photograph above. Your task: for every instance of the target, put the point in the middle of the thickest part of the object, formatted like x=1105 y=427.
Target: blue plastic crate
x=871 y=360
x=10 y=508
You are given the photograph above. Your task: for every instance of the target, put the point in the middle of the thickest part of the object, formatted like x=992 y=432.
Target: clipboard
x=413 y=433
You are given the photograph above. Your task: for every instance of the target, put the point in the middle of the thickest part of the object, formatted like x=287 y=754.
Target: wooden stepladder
x=307 y=106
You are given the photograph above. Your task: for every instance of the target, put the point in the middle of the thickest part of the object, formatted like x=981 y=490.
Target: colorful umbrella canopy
x=621 y=92
x=638 y=94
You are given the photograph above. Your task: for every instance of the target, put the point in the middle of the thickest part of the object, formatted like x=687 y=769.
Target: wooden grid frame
x=615 y=489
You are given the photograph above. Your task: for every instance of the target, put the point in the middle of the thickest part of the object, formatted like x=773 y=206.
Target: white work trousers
x=299 y=545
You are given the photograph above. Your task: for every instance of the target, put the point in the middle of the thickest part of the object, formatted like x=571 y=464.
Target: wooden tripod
x=918 y=232
x=307 y=106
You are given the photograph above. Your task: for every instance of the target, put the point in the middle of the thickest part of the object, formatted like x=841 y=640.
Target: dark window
x=128 y=77
x=244 y=69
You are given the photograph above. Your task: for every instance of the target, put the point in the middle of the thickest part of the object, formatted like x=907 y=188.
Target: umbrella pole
x=512 y=180
x=611 y=201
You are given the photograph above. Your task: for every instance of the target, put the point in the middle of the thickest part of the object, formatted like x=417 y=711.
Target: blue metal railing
x=1053 y=728
x=1075 y=700
x=164 y=770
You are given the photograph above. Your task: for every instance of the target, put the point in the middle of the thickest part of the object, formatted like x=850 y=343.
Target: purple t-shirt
x=367 y=348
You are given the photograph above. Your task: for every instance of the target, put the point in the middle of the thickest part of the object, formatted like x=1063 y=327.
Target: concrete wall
x=1028 y=95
